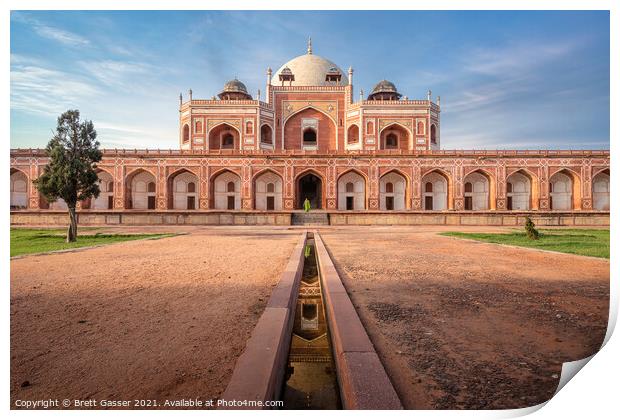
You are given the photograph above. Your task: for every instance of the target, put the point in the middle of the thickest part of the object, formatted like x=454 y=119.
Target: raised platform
x=280 y=218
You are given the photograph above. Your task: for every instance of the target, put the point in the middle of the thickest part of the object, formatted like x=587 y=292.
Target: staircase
x=310 y=218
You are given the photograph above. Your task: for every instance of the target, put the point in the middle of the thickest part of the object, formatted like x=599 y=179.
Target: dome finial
x=309 y=45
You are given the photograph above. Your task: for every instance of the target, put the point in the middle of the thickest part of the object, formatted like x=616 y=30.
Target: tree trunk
x=72 y=229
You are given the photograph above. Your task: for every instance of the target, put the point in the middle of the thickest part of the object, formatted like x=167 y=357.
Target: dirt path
x=471 y=325
x=141 y=320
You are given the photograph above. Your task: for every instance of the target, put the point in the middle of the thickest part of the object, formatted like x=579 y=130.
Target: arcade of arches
x=435 y=190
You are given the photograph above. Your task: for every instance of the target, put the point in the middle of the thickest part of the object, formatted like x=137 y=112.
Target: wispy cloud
x=43 y=90
x=512 y=60
x=60 y=35
x=50 y=32
x=506 y=73
x=116 y=73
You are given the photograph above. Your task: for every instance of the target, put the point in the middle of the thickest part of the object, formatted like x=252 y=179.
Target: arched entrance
x=477 y=191
x=105 y=201
x=600 y=191
x=518 y=192
x=140 y=190
x=351 y=191
x=19 y=190
x=392 y=191
x=224 y=137
x=393 y=137
x=310 y=186
x=435 y=191
x=183 y=190
x=564 y=191
x=268 y=191
x=227 y=191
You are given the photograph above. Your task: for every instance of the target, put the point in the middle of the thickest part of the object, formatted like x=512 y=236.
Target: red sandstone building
x=312 y=138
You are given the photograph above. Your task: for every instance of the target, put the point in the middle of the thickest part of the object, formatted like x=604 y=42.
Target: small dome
x=235 y=86
x=234 y=89
x=385 y=87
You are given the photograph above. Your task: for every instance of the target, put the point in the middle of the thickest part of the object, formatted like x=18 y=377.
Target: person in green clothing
x=306 y=205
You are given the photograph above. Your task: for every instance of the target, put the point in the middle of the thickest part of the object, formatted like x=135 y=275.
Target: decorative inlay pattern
x=232 y=122
x=385 y=122
x=291 y=107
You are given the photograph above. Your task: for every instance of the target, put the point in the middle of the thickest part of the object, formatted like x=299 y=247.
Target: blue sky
x=524 y=79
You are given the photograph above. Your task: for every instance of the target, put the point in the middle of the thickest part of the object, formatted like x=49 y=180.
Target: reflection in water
x=311 y=376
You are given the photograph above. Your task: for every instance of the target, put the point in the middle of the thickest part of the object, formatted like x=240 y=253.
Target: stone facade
x=303 y=139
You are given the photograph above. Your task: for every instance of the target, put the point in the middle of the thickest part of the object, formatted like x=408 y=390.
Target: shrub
x=530 y=229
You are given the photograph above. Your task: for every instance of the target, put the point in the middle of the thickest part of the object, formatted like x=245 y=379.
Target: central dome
x=309 y=70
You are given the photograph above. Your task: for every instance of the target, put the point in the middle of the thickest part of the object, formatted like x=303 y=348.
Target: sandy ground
x=460 y=324
x=157 y=319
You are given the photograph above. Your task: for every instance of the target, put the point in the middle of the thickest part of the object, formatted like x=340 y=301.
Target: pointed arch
x=285 y=120
x=602 y=170
x=395 y=123
x=104 y=169
x=313 y=189
x=353 y=134
x=601 y=190
x=436 y=187
x=395 y=126
x=221 y=123
x=534 y=187
x=266 y=134
x=219 y=134
x=357 y=171
x=185 y=133
x=394 y=190
x=310 y=171
x=325 y=130
x=559 y=197
x=134 y=171
x=107 y=185
x=220 y=171
x=267 y=190
x=179 y=188
x=138 y=193
x=221 y=196
x=19 y=189
x=449 y=181
x=352 y=190
x=477 y=197
x=399 y=172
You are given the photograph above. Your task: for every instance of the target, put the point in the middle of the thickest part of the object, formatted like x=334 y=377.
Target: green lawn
x=30 y=241
x=589 y=242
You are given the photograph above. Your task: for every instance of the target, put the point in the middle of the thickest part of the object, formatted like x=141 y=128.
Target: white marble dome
x=309 y=70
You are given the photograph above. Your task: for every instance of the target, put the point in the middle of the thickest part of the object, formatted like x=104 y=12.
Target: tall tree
x=70 y=174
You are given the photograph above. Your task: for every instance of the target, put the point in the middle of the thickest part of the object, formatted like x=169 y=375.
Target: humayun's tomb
x=375 y=160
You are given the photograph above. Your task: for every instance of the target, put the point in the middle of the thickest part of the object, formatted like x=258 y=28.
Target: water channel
x=310 y=381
